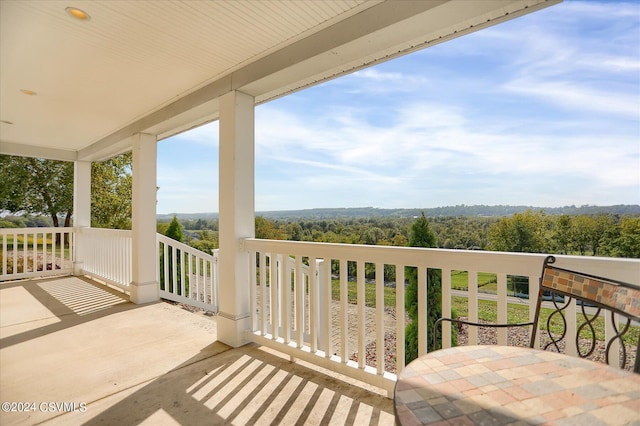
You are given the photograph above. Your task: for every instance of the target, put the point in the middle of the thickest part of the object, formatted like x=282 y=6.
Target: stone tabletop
x=501 y=385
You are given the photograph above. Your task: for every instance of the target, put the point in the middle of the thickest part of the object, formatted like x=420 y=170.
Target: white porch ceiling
x=159 y=66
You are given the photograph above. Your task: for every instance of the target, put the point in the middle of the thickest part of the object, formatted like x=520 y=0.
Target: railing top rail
x=483 y=261
x=184 y=247
x=106 y=231
x=409 y=256
x=32 y=230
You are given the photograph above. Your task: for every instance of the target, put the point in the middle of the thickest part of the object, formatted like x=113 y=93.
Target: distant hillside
x=186 y=216
x=460 y=210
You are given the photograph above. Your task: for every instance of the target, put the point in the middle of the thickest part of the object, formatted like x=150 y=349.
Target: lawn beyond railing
x=288 y=312
x=35 y=252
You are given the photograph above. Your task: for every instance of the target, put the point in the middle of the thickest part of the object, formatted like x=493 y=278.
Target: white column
x=144 y=284
x=81 y=210
x=237 y=214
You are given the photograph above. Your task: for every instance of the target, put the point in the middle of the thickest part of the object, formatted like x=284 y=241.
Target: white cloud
x=372 y=81
x=207 y=134
x=572 y=95
x=603 y=10
x=429 y=139
x=619 y=64
x=378 y=76
x=570 y=37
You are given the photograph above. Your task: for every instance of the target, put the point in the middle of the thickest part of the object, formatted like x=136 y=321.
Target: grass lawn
x=488 y=311
x=369 y=293
x=20 y=241
x=486 y=281
x=27 y=260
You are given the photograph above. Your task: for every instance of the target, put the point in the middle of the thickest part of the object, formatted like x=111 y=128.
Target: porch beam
x=144 y=284
x=21 y=150
x=237 y=214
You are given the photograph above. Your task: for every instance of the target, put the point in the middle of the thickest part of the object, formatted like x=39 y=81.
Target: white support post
x=144 y=284
x=81 y=211
x=237 y=215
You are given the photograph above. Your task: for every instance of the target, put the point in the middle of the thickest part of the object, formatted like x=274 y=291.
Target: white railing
x=35 y=252
x=187 y=275
x=289 y=312
x=292 y=305
x=106 y=255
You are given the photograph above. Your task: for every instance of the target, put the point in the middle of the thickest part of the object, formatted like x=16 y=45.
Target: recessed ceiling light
x=28 y=92
x=78 y=13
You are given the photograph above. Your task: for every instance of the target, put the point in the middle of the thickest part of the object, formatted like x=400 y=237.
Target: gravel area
x=194 y=310
x=516 y=336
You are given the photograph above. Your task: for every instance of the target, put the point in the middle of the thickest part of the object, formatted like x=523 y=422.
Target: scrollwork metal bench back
x=593 y=294
x=615 y=297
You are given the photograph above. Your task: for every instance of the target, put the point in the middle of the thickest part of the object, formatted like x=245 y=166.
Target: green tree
x=294 y=232
x=562 y=234
x=373 y=235
x=174 y=231
x=206 y=246
x=111 y=193
x=422 y=236
x=582 y=228
x=161 y=228
x=602 y=224
x=12 y=176
x=268 y=230
x=627 y=244
x=399 y=240
x=7 y=224
x=41 y=186
x=522 y=232
x=37 y=185
x=207 y=241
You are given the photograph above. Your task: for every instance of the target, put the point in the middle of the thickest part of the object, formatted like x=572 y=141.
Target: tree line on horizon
x=480 y=210
x=531 y=231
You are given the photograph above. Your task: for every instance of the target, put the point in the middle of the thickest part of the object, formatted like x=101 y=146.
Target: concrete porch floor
x=70 y=342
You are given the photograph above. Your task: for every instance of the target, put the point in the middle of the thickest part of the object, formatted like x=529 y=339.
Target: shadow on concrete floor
x=54 y=304
x=247 y=386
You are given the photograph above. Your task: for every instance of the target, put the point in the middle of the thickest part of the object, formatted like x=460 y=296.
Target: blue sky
x=543 y=110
